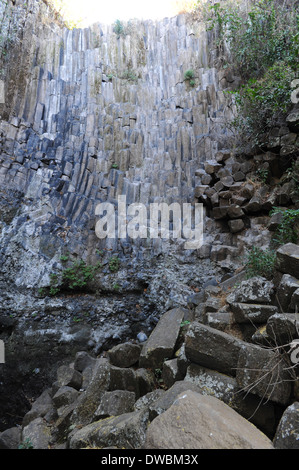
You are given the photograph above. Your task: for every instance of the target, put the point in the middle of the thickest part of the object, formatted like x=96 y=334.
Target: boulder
x=65 y=396
x=256 y=290
x=287 y=286
x=195 y=421
x=162 y=341
x=236 y=225
x=252 y=313
x=89 y=400
x=37 y=434
x=67 y=376
x=287 y=260
x=123 y=379
x=10 y=438
x=127 y=431
x=263 y=372
x=124 y=355
x=42 y=405
x=115 y=403
x=282 y=328
x=287 y=434
x=169 y=396
x=226 y=389
x=212 y=348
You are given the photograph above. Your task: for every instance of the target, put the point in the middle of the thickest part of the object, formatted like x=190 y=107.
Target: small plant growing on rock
x=189 y=76
x=114 y=263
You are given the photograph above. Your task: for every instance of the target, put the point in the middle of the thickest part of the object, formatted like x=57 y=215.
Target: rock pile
x=203 y=379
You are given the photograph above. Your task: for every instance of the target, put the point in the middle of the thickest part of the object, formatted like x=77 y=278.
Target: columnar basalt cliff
x=92 y=114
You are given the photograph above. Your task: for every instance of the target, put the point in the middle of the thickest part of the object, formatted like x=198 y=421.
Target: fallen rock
x=263 y=372
x=11 y=438
x=256 y=290
x=127 y=431
x=124 y=355
x=285 y=290
x=37 y=434
x=252 y=313
x=162 y=341
x=226 y=389
x=89 y=401
x=282 y=328
x=195 y=421
x=287 y=260
x=212 y=348
x=287 y=434
x=115 y=403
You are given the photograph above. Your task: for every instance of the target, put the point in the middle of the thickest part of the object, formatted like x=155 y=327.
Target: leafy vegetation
x=288 y=229
x=262 y=44
x=260 y=263
x=189 y=76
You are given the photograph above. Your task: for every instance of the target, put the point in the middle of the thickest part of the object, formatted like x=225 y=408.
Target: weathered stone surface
x=282 y=328
x=226 y=389
x=285 y=290
x=171 y=372
x=195 y=421
x=256 y=290
x=236 y=225
x=169 y=396
x=115 y=403
x=42 y=405
x=66 y=376
x=288 y=259
x=124 y=355
x=123 y=379
x=89 y=401
x=287 y=434
x=161 y=343
x=252 y=313
x=37 y=434
x=10 y=439
x=124 y=432
x=65 y=396
x=212 y=348
x=264 y=372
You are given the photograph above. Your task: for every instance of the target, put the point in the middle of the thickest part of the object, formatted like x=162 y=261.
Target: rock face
x=195 y=421
x=90 y=116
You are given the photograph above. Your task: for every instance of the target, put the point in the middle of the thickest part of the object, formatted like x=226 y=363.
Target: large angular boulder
x=161 y=343
x=124 y=355
x=263 y=372
x=226 y=389
x=37 y=434
x=282 y=328
x=287 y=286
x=287 y=260
x=126 y=431
x=212 y=348
x=287 y=434
x=89 y=400
x=256 y=290
x=195 y=421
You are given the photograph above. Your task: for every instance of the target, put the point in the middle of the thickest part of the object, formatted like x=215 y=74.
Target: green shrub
x=261 y=103
x=119 y=29
x=114 y=264
x=288 y=230
x=262 y=44
x=189 y=74
x=76 y=277
x=260 y=263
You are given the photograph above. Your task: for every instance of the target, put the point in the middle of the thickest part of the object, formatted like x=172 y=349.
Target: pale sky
x=108 y=11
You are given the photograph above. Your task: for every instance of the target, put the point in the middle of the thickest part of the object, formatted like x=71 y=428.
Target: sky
x=108 y=11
